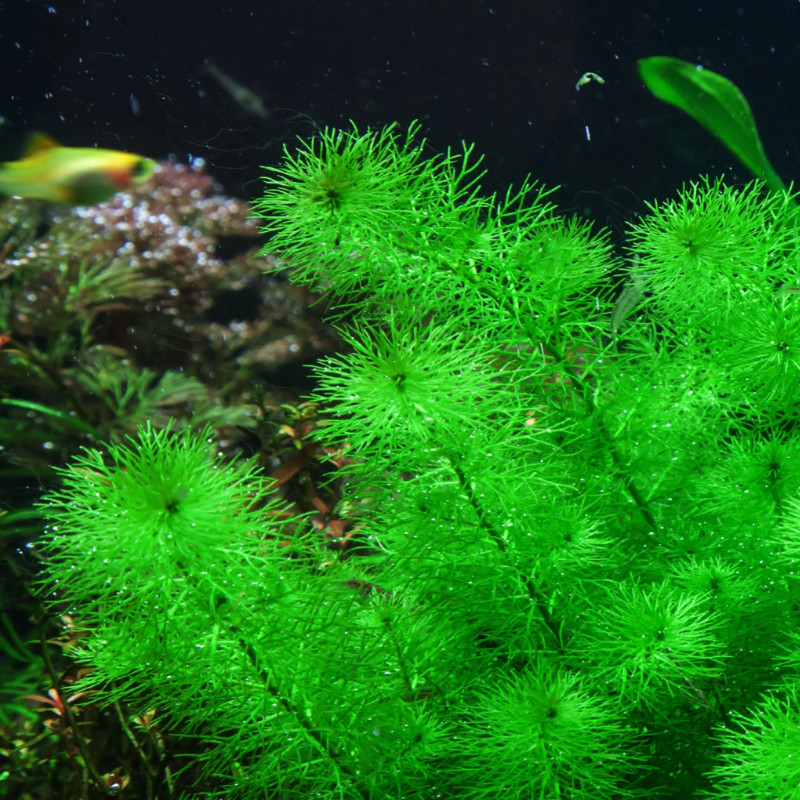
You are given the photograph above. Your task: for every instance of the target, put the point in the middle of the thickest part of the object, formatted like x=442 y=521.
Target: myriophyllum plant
x=575 y=509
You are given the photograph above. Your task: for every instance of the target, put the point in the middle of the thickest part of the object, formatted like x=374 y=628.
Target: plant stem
x=310 y=731
x=497 y=537
x=96 y=777
x=555 y=351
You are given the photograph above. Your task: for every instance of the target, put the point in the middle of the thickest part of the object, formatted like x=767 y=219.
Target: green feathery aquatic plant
x=575 y=524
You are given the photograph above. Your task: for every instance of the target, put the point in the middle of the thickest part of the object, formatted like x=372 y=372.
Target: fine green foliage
x=146 y=529
x=650 y=643
x=737 y=251
x=405 y=404
x=761 y=752
x=564 y=739
x=573 y=531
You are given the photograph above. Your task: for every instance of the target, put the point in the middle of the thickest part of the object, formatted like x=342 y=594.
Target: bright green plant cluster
x=574 y=489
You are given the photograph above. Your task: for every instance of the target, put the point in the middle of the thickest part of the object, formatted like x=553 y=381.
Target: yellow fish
x=79 y=176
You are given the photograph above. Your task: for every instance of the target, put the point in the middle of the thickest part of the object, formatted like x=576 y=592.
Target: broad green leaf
x=714 y=102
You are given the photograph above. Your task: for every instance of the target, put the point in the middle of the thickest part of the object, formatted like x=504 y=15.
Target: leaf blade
x=717 y=104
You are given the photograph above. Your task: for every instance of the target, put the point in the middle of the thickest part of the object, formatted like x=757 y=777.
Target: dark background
x=501 y=74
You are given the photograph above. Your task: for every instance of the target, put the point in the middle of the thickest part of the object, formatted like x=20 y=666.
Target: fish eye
x=142 y=168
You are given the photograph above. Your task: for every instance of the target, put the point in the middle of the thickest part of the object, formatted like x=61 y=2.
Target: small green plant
x=572 y=508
